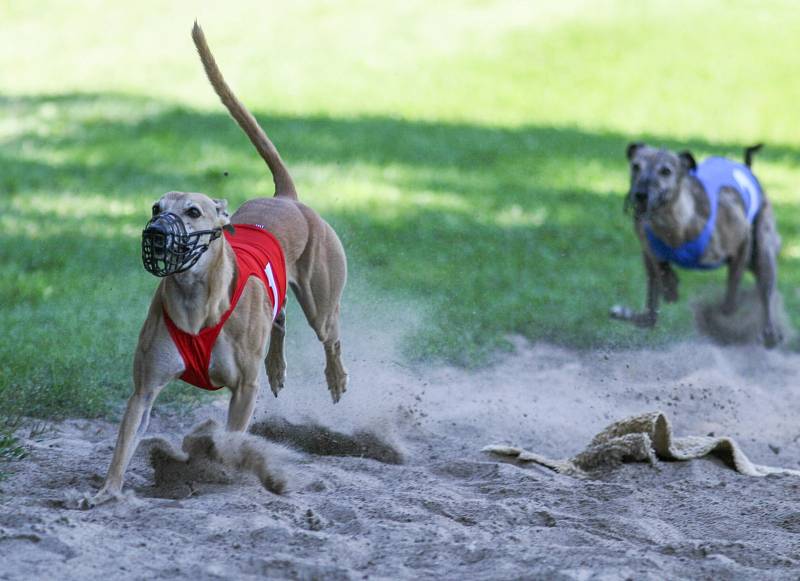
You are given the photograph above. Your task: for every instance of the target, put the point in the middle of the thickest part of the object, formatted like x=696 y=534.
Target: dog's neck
x=197 y=298
x=683 y=219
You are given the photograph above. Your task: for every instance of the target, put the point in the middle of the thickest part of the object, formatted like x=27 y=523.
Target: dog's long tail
x=749 y=152
x=284 y=185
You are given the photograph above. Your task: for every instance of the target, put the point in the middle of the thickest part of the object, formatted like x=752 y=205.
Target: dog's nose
x=640 y=196
x=156 y=228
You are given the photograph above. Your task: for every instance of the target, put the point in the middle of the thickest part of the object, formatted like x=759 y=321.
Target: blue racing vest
x=714 y=174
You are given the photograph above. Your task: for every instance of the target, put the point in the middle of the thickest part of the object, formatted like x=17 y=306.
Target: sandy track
x=450 y=511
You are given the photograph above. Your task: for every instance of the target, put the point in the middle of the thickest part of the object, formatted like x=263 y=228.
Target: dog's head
x=182 y=227
x=656 y=177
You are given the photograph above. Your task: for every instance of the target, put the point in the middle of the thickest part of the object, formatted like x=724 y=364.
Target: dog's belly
x=732 y=229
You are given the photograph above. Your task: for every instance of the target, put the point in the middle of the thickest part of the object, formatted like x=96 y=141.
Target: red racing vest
x=258 y=253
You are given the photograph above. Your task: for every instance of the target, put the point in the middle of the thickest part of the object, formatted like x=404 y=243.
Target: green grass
x=470 y=155
x=10 y=447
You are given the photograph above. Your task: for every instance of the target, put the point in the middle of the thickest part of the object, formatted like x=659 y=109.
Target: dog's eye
x=156 y=210
x=665 y=172
x=193 y=213
x=636 y=168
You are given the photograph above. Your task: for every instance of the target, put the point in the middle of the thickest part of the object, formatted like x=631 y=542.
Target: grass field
x=470 y=155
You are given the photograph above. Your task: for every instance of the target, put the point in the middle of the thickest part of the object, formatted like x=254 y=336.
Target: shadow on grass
x=491 y=230
x=119 y=147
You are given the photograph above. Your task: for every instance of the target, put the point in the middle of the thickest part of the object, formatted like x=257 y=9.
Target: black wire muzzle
x=168 y=249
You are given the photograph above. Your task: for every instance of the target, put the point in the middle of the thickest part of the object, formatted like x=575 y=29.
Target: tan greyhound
x=198 y=288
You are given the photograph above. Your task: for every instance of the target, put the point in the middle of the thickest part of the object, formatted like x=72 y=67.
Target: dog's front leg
x=155 y=364
x=649 y=317
x=669 y=282
x=134 y=425
x=735 y=272
x=654 y=290
x=242 y=406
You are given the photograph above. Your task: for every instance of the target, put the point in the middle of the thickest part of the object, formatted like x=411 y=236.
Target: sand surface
x=450 y=511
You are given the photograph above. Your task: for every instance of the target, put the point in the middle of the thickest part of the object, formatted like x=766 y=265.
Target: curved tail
x=284 y=186
x=749 y=152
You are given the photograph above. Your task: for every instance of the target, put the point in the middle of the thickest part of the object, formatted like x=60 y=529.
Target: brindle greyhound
x=674 y=216
x=197 y=298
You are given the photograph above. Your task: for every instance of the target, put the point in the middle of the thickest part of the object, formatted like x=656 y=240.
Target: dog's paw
x=276 y=383
x=620 y=313
x=337 y=385
x=276 y=372
x=336 y=393
x=88 y=502
x=645 y=320
x=336 y=377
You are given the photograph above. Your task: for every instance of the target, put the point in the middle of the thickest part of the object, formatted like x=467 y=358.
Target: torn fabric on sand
x=643 y=438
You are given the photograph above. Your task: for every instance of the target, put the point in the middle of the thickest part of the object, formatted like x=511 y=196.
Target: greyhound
x=220 y=302
x=701 y=217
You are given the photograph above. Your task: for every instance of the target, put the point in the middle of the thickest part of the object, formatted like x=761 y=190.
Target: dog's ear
x=687 y=159
x=633 y=148
x=222 y=210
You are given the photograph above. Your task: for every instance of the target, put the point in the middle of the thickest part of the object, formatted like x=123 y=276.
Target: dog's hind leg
x=765 y=268
x=276 y=360
x=736 y=268
x=335 y=372
x=319 y=290
x=323 y=316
